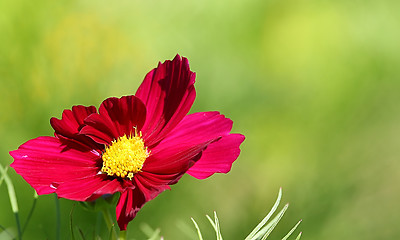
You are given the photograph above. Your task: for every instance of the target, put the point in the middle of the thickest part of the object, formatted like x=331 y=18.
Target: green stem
x=122 y=235
x=30 y=213
x=108 y=219
x=18 y=225
x=58 y=218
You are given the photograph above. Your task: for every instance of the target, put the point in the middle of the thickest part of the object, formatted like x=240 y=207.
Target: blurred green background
x=314 y=85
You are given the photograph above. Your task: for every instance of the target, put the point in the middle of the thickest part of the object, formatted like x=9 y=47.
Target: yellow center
x=125 y=156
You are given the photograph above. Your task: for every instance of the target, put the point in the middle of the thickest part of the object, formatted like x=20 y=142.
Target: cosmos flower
x=136 y=145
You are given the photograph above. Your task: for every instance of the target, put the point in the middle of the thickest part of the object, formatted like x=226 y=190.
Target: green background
x=313 y=85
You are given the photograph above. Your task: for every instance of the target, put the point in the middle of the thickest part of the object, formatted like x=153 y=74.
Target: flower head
x=137 y=145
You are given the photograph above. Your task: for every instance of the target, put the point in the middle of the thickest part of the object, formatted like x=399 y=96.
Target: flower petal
x=218 y=157
x=132 y=200
x=168 y=93
x=202 y=127
x=174 y=159
x=117 y=117
x=94 y=187
x=71 y=123
x=129 y=203
x=199 y=127
x=51 y=165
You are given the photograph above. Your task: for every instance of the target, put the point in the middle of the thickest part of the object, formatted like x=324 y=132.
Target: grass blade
x=298 y=237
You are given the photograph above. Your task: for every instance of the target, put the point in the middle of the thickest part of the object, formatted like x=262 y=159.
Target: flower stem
x=18 y=225
x=109 y=222
x=122 y=235
x=58 y=217
x=35 y=196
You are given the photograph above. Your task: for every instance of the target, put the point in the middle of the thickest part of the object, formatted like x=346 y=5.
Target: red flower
x=137 y=145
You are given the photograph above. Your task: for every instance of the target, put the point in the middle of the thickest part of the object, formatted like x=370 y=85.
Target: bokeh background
x=314 y=85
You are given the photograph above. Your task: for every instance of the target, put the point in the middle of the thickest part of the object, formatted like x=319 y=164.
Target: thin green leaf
x=213 y=225
x=219 y=236
x=264 y=221
x=198 y=229
x=13 y=198
x=298 y=237
x=11 y=191
x=291 y=231
x=275 y=222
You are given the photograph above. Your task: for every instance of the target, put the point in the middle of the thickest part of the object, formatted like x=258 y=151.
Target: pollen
x=125 y=156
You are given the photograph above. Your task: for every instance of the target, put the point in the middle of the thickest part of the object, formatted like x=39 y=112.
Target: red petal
x=173 y=158
x=182 y=147
x=71 y=123
x=117 y=117
x=129 y=203
x=50 y=165
x=168 y=94
x=132 y=200
x=218 y=157
x=198 y=128
x=94 y=187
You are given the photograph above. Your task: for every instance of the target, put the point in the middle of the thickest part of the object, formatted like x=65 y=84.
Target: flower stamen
x=125 y=156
